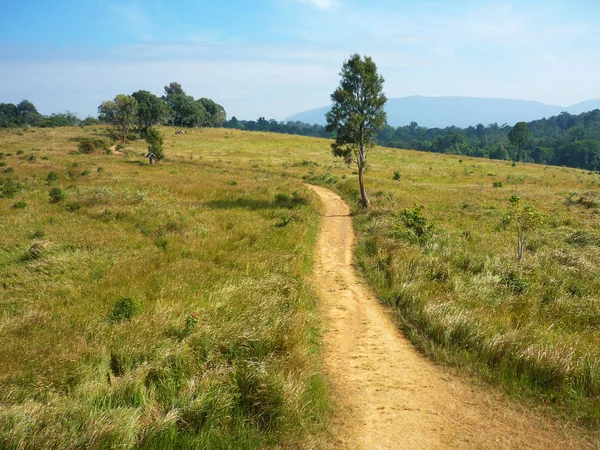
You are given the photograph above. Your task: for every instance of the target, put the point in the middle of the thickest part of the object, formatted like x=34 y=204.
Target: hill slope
x=440 y=112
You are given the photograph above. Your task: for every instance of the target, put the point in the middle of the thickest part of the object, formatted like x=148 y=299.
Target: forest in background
x=564 y=140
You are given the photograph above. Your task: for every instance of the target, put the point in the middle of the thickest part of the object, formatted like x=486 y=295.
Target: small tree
x=357 y=114
x=121 y=114
x=155 y=143
x=525 y=218
x=519 y=137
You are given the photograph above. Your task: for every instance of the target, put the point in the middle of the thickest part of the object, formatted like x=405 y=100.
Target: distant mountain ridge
x=441 y=112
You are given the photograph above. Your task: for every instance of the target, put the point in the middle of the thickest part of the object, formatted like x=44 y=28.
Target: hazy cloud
x=321 y=4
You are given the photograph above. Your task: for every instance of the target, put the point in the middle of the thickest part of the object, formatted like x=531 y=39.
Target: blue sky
x=274 y=58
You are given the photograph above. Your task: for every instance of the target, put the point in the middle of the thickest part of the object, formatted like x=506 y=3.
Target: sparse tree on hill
x=152 y=110
x=524 y=218
x=519 y=137
x=120 y=113
x=357 y=114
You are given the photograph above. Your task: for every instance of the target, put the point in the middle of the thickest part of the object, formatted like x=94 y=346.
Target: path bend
x=387 y=395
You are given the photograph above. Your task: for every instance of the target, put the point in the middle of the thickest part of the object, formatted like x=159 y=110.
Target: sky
x=274 y=58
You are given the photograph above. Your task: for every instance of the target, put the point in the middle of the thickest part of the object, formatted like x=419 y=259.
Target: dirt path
x=388 y=396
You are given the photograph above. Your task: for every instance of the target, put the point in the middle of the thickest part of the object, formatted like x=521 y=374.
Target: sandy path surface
x=387 y=395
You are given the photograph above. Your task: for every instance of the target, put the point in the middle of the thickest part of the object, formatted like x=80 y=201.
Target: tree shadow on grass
x=136 y=163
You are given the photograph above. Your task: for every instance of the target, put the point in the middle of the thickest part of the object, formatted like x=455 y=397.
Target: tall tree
x=28 y=114
x=519 y=137
x=215 y=113
x=152 y=110
x=120 y=113
x=174 y=88
x=357 y=114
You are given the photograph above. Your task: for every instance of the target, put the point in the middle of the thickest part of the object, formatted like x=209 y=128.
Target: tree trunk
x=519 y=244
x=363 y=193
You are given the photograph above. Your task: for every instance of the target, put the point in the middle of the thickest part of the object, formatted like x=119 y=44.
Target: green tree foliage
x=357 y=114
x=185 y=111
x=519 y=136
x=25 y=113
x=524 y=218
x=152 y=111
x=155 y=143
x=215 y=113
x=121 y=114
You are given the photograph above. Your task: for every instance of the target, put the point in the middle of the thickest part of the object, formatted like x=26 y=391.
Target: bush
x=498 y=184
x=282 y=198
x=516 y=283
x=284 y=221
x=20 y=205
x=396 y=176
x=415 y=222
x=73 y=206
x=10 y=189
x=155 y=143
x=56 y=195
x=52 y=176
x=86 y=146
x=20 y=152
x=125 y=309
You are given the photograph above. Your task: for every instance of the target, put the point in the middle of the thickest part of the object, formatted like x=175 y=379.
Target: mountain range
x=441 y=112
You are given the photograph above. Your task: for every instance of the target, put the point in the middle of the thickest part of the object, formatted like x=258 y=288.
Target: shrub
x=284 y=221
x=416 y=223
x=515 y=282
x=125 y=309
x=20 y=205
x=396 y=176
x=86 y=146
x=31 y=158
x=52 y=176
x=498 y=184
x=282 y=198
x=10 y=189
x=20 y=152
x=56 y=195
x=73 y=206
x=155 y=143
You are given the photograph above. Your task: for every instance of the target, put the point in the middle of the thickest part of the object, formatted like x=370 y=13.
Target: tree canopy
x=120 y=113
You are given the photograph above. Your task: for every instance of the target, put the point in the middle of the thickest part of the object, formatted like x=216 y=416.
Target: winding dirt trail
x=388 y=396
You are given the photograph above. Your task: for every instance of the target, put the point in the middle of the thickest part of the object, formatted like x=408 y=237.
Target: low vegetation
x=154 y=306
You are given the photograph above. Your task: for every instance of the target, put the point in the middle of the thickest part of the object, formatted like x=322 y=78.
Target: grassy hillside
x=217 y=343
x=215 y=246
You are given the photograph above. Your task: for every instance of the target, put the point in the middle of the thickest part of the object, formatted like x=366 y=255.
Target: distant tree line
x=26 y=114
x=563 y=140
x=125 y=113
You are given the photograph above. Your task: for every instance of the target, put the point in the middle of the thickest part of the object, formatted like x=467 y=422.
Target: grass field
x=218 y=345
x=214 y=247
